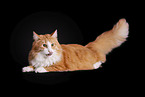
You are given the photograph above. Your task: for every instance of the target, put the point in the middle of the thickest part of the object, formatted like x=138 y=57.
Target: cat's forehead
x=46 y=38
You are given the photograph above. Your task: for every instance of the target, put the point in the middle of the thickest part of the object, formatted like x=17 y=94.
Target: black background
x=119 y=71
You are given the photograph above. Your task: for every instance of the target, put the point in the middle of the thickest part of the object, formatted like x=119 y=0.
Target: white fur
x=40 y=70
x=35 y=37
x=27 y=69
x=97 y=65
x=41 y=60
x=122 y=31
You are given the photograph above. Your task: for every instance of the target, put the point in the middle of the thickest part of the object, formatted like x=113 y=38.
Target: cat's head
x=47 y=45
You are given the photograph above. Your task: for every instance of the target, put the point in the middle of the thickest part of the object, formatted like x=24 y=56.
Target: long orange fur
x=78 y=57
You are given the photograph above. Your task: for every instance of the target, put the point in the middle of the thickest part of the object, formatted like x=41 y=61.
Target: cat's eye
x=52 y=44
x=44 y=45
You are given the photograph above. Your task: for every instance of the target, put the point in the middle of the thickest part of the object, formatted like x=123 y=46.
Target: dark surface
x=118 y=72
x=51 y=78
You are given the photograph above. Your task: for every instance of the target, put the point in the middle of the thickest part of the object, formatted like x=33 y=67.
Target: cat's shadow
x=49 y=78
x=66 y=77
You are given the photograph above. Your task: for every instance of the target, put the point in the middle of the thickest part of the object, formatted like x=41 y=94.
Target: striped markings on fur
x=97 y=64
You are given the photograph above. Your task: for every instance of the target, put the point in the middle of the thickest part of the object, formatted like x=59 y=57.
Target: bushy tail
x=110 y=39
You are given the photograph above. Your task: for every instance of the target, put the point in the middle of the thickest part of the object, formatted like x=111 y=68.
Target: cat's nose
x=50 y=53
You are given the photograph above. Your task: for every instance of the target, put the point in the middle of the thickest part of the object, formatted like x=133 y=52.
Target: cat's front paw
x=40 y=70
x=27 y=69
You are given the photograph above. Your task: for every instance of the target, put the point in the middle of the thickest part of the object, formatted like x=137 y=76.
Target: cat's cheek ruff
x=41 y=60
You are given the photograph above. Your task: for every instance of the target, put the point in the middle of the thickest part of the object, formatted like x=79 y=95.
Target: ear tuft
x=35 y=36
x=54 y=34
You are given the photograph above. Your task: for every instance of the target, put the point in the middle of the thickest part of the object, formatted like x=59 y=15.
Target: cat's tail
x=110 y=39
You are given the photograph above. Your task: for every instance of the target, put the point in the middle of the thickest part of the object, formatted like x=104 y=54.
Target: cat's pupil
x=52 y=44
x=44 y=45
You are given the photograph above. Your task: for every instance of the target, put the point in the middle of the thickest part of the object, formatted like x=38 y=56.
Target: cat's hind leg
x=97 y=65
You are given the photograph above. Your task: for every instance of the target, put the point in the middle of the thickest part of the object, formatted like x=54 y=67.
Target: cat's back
x=78 y=56
x=73 y=47
x=77 y=50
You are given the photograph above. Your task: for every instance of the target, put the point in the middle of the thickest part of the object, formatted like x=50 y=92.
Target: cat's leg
x=50 y=68
x=97 y=65
x=40 y=70
x=28 y=69
x=56 y=68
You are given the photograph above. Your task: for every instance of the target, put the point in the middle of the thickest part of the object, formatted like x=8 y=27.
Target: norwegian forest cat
x=48 y=55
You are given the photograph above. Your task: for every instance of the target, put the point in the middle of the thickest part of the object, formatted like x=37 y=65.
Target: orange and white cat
x=48 y=55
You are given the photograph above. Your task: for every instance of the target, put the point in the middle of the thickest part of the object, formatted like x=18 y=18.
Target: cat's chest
x=43 y=61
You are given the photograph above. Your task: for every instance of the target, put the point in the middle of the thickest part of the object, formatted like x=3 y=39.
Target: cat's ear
x=54 y=34
x=35 y=36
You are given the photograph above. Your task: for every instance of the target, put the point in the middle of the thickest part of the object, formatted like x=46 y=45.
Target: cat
x=48 y=55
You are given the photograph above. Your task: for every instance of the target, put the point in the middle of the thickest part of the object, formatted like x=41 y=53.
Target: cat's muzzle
x=50 y=53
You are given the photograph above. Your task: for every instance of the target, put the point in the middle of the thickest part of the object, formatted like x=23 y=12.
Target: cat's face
x=47 y=45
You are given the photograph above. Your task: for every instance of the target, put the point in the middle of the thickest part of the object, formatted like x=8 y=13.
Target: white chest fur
x=42 y=61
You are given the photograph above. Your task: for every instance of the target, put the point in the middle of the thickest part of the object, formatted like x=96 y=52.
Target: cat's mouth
x=50 y=53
